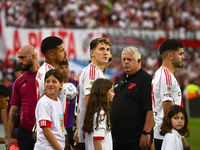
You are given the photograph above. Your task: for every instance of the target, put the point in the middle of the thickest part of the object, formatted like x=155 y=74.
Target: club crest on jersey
x=169 y=88
x=61 y=121
x=91 y=82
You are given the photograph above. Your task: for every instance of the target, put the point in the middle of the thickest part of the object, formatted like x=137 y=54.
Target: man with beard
x=24 y=99
x=165 y=88
x=54 y=52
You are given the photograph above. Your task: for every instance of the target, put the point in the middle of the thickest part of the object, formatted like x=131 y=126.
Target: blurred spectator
x=136 y=14
x=72 y=75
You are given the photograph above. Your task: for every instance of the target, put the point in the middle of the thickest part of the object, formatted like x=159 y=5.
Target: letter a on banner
x=71 y=46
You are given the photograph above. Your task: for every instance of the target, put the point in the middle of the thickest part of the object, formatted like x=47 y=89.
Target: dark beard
x=177 y=64
x=27 y=67
x=62 y=62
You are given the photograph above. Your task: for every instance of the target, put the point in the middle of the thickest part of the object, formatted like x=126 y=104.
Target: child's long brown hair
x=167 y=125
x=98 y=101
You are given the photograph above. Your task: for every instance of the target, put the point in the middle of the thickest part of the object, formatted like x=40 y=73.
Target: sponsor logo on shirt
x=91 y=82
x=24 y=85
x=169 y=88
x=168 y=95
x=155 y=113
x=131 y=85
x=88 y=89
x=61 y=121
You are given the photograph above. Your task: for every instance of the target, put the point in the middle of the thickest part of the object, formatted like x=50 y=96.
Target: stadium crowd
x=135 y=14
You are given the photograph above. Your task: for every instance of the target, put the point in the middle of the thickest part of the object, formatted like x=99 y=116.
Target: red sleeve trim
x=65 y=114
x=98 y=138
x=45 y=123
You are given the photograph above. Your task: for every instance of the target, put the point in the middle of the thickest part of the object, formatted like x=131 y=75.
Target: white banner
x=76 y=41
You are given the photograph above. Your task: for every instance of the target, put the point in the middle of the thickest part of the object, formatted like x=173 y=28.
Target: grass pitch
x=194 y=138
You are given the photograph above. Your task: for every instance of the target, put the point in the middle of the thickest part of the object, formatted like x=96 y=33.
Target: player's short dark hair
x=50 y=43
x=170 y=45
x=4 y=91
x=64 y=63
x=95 y=42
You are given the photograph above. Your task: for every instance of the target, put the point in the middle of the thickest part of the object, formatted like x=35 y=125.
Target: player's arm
x=97 y=144
x=51 y=138
x=13 y=112
x=4 y=117
x=186 y=146
x=99 y=134
x=66 y=142
x=166 y=105
x=75 y=138
x=145 y=139
x=86 y=103
x=86 y=100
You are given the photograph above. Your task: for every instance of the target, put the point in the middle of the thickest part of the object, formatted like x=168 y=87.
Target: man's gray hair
x=133 y=49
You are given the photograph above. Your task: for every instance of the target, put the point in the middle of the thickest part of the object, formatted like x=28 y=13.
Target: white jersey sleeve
x=44 y=112
x=87 y=84
x=99 y=133
x=92 y=73
x=165 y=86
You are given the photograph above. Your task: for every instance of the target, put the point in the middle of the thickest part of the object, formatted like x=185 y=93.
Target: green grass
x=194 y=138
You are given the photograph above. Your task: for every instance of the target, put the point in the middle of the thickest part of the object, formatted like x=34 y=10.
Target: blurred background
x=144 y=24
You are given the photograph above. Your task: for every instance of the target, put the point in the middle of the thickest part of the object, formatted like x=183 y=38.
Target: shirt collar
x=133 y=75
x=176 y=132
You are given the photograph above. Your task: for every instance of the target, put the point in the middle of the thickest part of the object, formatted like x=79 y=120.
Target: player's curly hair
x=98 y=101
x=167 y=125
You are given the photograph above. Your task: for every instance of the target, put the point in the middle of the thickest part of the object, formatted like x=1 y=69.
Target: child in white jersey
x=174 y=127
x=49 y=114
x=97 y=117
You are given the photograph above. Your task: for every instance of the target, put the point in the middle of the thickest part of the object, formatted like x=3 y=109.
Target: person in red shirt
x=24 y=99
